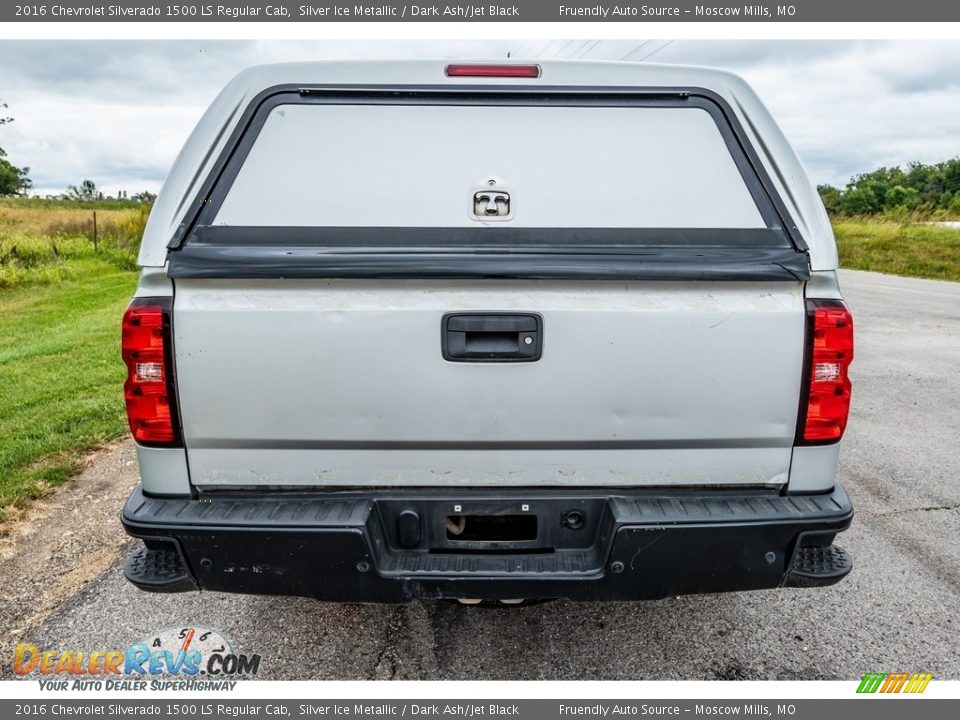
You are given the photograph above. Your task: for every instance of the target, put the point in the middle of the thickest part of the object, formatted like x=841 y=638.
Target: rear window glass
x=338 y=165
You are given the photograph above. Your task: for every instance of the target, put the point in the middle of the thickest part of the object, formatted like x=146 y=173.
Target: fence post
x=95 y=248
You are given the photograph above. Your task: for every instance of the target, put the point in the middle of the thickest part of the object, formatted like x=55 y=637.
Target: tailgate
x=342 y=382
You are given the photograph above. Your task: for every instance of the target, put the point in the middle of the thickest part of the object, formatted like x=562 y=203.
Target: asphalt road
x=896 y=612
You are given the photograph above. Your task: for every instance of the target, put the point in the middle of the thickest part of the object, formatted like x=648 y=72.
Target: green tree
x=927 y=179
x=13 y=180
x=954 y=206
x=900 y=197
x=917 y=187
x=859 y=200
x=832 y=198
x=951 y=175
x=86 y=190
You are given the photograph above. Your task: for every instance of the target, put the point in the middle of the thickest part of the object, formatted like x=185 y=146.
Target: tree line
x=917 y=188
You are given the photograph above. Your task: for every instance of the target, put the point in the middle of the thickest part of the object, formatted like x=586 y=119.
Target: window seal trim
x=215 y=186
x=195 y=261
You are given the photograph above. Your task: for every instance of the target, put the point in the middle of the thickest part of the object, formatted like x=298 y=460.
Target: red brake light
x=828 y=399
x=145 y=346
x=514 y=71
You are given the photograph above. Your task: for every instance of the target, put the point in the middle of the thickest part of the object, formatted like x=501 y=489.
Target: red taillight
x=145 y=346
x=513 y=71
x=828 y=399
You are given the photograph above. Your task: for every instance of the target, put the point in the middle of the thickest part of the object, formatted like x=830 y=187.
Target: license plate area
x=491 y=528
x=477 y=525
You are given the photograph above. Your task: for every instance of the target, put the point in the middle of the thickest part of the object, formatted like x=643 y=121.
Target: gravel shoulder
x=66 y=540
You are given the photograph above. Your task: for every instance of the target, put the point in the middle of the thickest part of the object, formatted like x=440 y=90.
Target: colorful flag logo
x=894 y=682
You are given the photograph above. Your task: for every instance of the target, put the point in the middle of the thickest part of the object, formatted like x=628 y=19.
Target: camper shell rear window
x=420 y=166
x=546 y=172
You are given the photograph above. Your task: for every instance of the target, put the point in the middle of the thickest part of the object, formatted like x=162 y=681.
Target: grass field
x=61 y=300
x=917 y=250
x=60 y=368
x=44 y=242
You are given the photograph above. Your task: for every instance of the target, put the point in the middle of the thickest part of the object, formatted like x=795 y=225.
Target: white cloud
x=850 y=107
x=117 y=112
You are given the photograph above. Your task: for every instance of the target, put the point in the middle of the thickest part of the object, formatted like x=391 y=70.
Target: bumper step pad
x=160 y=570
x=819 y=566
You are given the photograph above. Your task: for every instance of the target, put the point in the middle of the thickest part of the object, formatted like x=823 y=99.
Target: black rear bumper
x=366 y=546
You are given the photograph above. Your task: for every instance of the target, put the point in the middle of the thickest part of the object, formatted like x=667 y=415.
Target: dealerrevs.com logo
x=204 y=659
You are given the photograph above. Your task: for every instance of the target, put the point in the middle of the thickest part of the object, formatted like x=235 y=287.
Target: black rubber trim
x=159 y=569
x=675 y=263
x=479 y=238
x=333 y=509
x=818 y=565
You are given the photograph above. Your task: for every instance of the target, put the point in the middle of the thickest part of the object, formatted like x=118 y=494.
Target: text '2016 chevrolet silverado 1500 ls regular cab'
x=491 y=331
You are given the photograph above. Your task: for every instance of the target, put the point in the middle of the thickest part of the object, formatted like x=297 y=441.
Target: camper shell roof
x=187 y=180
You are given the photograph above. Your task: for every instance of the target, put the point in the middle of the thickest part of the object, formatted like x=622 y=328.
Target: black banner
x=517 y=11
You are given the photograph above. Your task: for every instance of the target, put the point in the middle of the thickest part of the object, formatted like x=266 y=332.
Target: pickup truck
x=487 y=332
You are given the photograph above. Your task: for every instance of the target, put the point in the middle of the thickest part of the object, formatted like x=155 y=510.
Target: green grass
x=61 y=301
x=26 y=262
x=40 y=241
x=61 y=372
x=925 y=251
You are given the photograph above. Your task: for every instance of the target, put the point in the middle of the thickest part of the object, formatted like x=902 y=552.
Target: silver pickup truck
x=487 y=331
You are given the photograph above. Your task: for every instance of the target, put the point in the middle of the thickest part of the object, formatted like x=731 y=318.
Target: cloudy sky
x=117 y=112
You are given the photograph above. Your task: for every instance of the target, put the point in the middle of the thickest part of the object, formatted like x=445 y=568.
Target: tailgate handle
x=491 y=337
